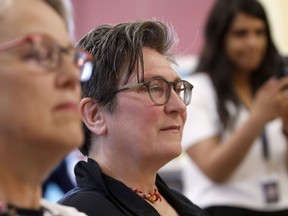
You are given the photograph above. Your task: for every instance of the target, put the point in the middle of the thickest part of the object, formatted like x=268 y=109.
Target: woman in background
x=237 y=126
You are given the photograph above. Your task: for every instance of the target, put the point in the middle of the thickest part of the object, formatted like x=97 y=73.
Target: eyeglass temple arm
x=130 y=87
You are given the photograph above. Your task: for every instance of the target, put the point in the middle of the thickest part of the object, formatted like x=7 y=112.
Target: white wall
x=277 y=12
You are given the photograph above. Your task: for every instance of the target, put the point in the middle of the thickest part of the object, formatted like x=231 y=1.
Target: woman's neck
x=21 y=174
x=133 y=176
x=19 y=192
x=243 y=88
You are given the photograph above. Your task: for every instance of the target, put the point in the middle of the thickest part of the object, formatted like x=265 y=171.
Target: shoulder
x=57 y=209
x=184 y=206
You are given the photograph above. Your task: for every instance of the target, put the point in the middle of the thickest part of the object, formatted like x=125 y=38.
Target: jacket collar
x=88 y=174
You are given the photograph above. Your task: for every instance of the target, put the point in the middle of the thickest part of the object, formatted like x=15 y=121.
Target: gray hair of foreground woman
x=117 y=53
x=62 y=7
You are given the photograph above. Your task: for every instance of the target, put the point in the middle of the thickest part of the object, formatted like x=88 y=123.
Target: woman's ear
x=92 y=116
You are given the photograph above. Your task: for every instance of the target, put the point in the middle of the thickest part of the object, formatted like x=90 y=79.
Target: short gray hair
x=62 y=7
x=4 y=5
x=117 y=52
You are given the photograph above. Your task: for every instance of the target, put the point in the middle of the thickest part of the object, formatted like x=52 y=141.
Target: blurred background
x=188 y=19
x=186 y=16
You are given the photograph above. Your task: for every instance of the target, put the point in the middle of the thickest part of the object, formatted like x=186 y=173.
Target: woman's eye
x=240 y=33
x=156 y=89
x=43 y=54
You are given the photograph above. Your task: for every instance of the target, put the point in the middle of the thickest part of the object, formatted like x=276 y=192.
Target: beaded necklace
x=151 y=197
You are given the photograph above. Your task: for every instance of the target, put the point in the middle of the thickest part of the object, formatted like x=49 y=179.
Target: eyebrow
x=146 y=79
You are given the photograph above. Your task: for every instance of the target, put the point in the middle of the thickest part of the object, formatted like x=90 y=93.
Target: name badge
x=270 y=189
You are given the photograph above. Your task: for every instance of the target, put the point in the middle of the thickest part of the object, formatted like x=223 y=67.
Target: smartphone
x=283 y=68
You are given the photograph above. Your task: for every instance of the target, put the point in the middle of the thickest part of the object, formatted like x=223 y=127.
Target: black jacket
x=99 y=194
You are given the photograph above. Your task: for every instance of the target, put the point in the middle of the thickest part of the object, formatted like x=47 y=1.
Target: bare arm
x=285 y=120
x=219 y=160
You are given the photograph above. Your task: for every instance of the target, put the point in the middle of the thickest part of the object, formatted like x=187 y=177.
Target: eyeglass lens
x=160 y=91
x=48 y=54
x=84 y=64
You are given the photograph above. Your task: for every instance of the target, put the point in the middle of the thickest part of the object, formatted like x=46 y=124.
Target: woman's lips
x=67 y=106
x=171 y=128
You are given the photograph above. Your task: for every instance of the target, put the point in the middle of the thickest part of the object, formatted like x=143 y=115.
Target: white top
x=54 y=209
x=243 y=188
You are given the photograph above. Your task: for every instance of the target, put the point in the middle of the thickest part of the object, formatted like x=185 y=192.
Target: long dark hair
x=214 y=61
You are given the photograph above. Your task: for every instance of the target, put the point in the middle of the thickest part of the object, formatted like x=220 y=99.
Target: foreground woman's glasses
x=46 y=52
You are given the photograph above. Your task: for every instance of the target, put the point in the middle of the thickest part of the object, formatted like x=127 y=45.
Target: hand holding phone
x=283 y=68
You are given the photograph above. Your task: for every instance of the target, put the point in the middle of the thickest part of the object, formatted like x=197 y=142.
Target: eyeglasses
x=47 y=53
x=160 y=90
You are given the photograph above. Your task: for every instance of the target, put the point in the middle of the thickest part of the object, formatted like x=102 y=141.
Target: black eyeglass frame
x=167 y=94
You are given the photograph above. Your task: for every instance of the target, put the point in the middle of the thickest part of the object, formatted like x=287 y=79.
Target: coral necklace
x=151 y=197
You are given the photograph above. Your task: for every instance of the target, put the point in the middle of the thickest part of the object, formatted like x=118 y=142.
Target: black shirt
x=99 y=194
x=14 y=211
